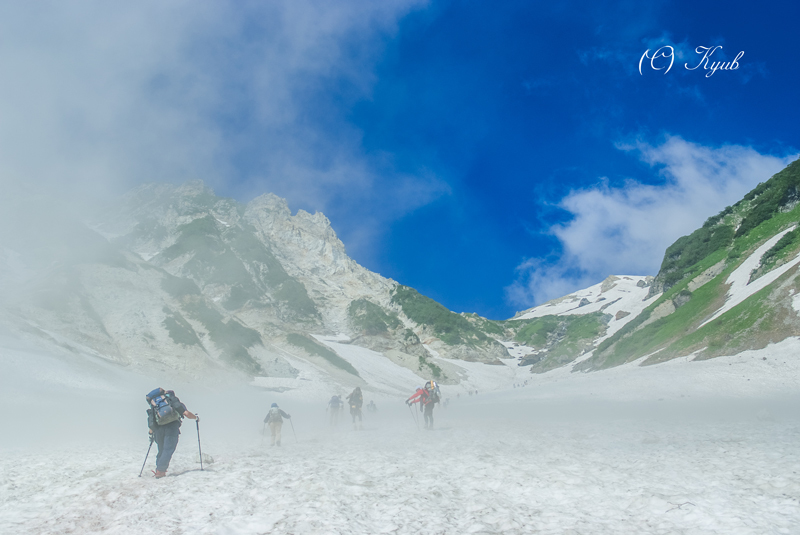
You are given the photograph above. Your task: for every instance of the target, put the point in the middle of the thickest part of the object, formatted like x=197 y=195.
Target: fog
x=541 y=458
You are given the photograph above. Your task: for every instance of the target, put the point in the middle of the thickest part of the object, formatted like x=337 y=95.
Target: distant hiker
x=164 y=420
x=335 y=406
x=356 y=400
x=371 y=407
x=427 y=398
x=275 y=418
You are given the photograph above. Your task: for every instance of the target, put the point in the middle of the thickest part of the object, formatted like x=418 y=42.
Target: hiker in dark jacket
x=335 y=406
x=166 y=435
x=356 y=400
x=275 y=418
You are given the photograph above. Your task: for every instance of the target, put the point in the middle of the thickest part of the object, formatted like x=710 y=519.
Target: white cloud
x=625 y=231
x=249 y=96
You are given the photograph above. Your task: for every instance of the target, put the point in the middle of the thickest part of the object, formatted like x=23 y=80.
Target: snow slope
x=622 y=295
x=683 y=447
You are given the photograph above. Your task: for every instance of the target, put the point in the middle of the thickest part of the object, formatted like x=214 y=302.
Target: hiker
x=335 y=406
x=371 y=407
x=427 y=398
x=275 y=418
x=164 y=420
x=356 y=400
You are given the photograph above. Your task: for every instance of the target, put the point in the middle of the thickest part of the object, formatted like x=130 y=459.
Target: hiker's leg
x=171 y=434
x=273 y=432
x=278 y=426
x=158 y=434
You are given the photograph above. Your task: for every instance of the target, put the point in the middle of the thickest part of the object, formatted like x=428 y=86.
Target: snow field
x=502 y=465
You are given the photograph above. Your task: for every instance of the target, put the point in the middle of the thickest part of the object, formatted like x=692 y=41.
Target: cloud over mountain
x=625 y=230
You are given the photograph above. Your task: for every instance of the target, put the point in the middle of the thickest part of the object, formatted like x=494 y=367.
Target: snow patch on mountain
x=623 y=297
x=740 y=287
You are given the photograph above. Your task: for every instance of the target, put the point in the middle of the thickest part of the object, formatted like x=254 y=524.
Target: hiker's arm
x=189 y=415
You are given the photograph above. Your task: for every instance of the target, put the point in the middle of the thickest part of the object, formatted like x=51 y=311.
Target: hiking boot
x=158 y=474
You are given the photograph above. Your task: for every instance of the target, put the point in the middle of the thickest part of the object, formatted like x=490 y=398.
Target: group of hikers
x=165 y=413
x=355 y=401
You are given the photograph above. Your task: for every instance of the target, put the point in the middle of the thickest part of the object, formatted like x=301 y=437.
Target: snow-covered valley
x=683 y=447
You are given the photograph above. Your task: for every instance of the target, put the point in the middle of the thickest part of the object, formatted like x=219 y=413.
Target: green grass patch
x=370 y=319
x=776 y=255
x=733 y=331
x=769 y=197
x=312 y=347
x=449 y=327
x=231 y=337
x=489 y=327
x=561 y=338
x=295 y=296
x=689 y=250
x=179 y=329
x=435 y=371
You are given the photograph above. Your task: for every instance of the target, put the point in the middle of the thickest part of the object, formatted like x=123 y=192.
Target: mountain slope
x=727 y=287
x=176 y=279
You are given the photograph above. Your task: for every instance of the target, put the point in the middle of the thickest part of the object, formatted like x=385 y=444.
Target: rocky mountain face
x=176 y=278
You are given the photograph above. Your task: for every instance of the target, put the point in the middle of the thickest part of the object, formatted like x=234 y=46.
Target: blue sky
x=491 y=155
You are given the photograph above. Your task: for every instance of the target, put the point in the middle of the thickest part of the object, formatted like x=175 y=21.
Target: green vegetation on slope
x=688 y=250
x=770 y=197
x=312 y=347
x=778 y=253
x=751 y=323
x=370 y=319
x=560 y=339
x=490 y=327
x=231 y=337
x=737 y=330
x=234 y=257
x=179 y=329
x=436 y=371
x=449 y=327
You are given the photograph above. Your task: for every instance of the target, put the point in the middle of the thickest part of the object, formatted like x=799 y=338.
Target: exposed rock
x=609 y=283
x=682 y=298
x=706 y=276
x=621 y=314
x=661 y=311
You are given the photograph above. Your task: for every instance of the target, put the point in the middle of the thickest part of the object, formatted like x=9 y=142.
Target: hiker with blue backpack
x=164 y=420
x=275 y=418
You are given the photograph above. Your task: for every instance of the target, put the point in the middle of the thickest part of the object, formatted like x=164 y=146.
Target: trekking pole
x=295 y=434
x=199 y=449
x=152 y=438
x=413 y=416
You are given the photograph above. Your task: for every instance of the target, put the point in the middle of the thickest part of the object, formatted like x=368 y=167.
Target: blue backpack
x=161 y=408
